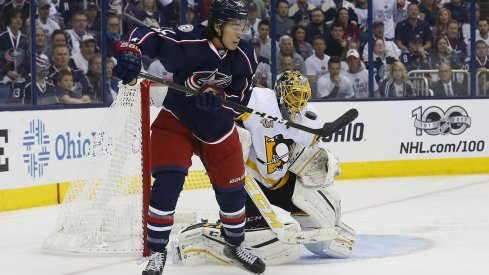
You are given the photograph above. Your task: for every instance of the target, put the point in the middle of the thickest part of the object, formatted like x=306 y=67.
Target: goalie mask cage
x=104 y=210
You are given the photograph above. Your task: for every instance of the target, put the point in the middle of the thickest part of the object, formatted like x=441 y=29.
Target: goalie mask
x=293 y=92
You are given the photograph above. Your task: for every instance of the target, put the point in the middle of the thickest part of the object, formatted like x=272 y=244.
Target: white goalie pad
x=315 y=165
x=341 y=247
x=203 y=244
x=323 y=205
x=245 y=139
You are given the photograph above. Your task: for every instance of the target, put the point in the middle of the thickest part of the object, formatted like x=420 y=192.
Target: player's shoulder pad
x=249 y=51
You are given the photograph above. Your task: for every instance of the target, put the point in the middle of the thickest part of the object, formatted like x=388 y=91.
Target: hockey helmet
x=293 y=91
x=222 y=11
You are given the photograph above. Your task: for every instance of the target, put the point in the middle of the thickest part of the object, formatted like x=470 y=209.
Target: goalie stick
x=277 y=226
x=328 y=128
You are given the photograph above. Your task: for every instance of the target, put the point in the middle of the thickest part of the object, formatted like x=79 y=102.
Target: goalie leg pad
x=323 y=205
x=341 y=247
x=200 y=244
x=203 y=243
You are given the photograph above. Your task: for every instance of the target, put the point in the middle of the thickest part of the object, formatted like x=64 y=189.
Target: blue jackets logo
x=434 y=121
x=3 y=159
x=36 y=153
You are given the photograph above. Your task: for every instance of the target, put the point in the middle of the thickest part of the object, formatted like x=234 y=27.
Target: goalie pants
x=172 y=147
x=281 y=197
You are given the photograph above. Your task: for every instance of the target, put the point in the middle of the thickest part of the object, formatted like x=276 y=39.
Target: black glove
x=210 y=98
x=128 y=58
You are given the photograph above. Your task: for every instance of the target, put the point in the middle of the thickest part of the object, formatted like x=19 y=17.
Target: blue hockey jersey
x=195 y=62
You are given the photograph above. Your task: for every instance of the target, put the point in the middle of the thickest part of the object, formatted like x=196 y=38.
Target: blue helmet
x=222 y=11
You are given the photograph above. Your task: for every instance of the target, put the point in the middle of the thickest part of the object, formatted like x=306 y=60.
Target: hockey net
x=104 y=210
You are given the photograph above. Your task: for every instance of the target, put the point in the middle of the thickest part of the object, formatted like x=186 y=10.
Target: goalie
x=294 y=171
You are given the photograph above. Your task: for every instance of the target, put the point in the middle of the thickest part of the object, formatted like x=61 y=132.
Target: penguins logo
x=277 y=150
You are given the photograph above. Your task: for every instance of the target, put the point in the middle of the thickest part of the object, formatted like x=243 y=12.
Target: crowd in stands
x=418 y=44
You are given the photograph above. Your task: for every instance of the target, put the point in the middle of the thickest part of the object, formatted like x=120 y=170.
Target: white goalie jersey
x=269 y=157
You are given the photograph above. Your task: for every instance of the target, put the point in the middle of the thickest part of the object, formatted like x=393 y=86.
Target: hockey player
x=213 y=60
x=294 y=172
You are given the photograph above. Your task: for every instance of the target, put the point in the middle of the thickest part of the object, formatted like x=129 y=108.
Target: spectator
x=62 y=12
x=66 y=87
x=335 y=41
x=93 y=19
x=286 y=63
x=43 y=18
x=300 y=45
x=412 y=26
x=357 y=75
x=383 y=60
x=87 y=49
x=361 y=9
x=458 y=10
x=94 y=76
x=416 y=58
x=190 y=15
x=334 y=84
x=300 y=12
x=482 y=67
x=444 y=54
x=443 y=17
x=41 y=41
x=378 y=33
x=455 y=40
x=79 y=24
x=397 y=84
x=253 y=21
x=317 y=64
x=58 y=38
x=113 y=81
x=350 y=28
x=401 y=12
x=317 y=26
x=261 y=6
x=61 y=61
x=113 y=33
x=428 y=9
x=47 y=92
x=265 y=41
x=283 y=23
x=147 y=11
x=482 y=32
x=447 y=87
x=287 y=49
x=383 y=11
x=22 y=5
x=14 y=48
x=331 y=7
x=263 y=74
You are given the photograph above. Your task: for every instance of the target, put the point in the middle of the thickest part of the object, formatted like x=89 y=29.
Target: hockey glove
x=210 y=98
x=128 y=58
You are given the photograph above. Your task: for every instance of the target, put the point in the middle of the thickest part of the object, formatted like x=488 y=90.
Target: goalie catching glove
x=128 y=58
x=315 y=165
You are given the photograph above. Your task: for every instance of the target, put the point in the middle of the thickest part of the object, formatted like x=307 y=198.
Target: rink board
x=41 y=151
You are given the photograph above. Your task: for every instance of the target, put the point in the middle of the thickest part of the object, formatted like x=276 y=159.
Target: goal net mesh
x=102 y=211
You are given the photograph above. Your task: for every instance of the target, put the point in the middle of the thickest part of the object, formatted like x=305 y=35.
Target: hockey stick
x=328 y=128
x=277 y=226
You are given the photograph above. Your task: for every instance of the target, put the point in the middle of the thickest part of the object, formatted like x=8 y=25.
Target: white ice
x=447 y=215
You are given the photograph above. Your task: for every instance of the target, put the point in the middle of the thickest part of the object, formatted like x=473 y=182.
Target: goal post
x=104 y=210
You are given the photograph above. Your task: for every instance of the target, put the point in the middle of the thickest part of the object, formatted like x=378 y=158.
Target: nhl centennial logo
x=434 y=121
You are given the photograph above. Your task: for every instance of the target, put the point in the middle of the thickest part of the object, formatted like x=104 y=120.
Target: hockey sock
x=232 y=214
x=164 y=196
